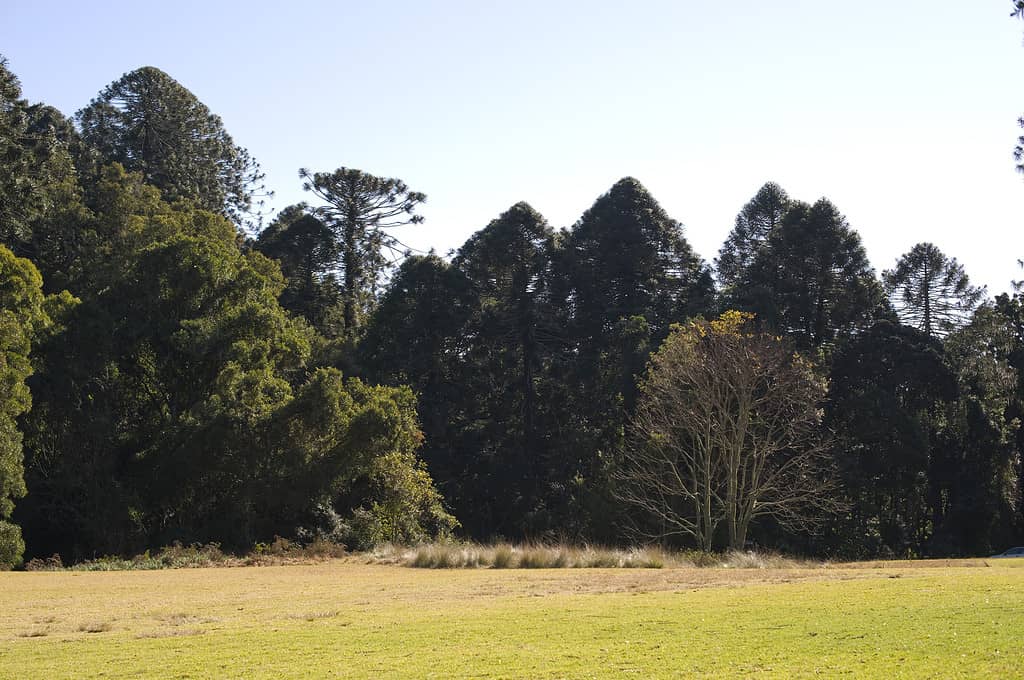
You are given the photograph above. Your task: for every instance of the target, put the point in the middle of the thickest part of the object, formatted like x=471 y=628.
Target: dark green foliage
x=23 y=319
x=516 y=332
x=755 y=223
x=418 y=337
x=930 y=291
x=926 y=440
x=175 y=406
x=359 y=209
x=151 y=124
x=977 y=481
x=525 y=351
x=306 y=250
x=812 y=280
x=889 y=393
x=629 y=274
x=416 y=334
x=626 y=257
x=1018 y=151
x=36 y=172
x=1011 y=309
x=485 y=324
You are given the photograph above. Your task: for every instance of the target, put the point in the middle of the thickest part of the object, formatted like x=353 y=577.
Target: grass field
x=345 y=619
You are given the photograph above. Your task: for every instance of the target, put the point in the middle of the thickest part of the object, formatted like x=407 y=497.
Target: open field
x=344 y=619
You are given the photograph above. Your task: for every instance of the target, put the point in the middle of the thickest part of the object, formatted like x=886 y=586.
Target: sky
x=903 y=114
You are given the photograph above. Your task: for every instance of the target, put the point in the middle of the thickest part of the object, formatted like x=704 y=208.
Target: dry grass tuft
x=182 y=619
x=95 y=627
x=535 y=556
x=315 y=616
x=174 y=632
x=503 y=556
x=548 y=556
x=736 y=559
x=34 y=633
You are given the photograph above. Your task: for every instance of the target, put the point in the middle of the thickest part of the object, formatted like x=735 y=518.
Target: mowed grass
x=343 y=619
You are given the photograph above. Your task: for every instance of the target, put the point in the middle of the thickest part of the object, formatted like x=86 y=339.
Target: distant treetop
x=151 y=124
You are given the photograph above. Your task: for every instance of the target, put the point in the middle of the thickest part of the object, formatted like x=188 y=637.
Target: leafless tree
x=727 y=429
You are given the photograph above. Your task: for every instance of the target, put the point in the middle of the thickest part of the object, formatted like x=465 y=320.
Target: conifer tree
x=754 y=224
x=151 y=124
x=930 y=291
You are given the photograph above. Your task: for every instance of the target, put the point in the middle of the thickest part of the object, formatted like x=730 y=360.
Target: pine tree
x=151 y=124
x=360 y=209
x=812 y=280
x=930 y=291
x=754 y=224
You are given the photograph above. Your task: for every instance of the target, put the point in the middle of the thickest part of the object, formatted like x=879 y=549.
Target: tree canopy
x=24 y=317
x=930 y=291
x=359 y=209
x=165 y=377
x=151 y=124
x=755 y=223
x=812 y=280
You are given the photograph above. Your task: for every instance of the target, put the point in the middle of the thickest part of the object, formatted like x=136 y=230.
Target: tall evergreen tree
x=976 y=483
x=754 y=224
x=360 y=209
x=151 y=124
x=813 y=280
x=627 y=274
x=930 y=291
x=36 y=172
x=514 y=333
x=627 y=257
x=418 y=336
x=1018 y=151
x=306 y=250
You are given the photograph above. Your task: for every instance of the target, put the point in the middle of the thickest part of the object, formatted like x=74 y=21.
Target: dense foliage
x=23 y=317
x=189 y=383
x=151 y=124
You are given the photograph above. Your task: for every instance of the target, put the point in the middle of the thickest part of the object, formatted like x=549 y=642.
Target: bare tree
x=727 y=429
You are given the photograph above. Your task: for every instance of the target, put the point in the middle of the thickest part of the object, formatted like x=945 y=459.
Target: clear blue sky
x=902 y=113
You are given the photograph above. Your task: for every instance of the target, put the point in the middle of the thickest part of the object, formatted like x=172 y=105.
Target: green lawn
x=342 y=619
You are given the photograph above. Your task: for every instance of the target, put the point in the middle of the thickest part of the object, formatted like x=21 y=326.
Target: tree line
x=175 y=370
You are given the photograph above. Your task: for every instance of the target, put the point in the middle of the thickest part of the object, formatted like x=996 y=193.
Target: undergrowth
x=447 y=555
x=542 y=556
x=177 y=556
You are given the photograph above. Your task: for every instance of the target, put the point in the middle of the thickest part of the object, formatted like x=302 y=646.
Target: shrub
x=12 y=547
x=52 y=563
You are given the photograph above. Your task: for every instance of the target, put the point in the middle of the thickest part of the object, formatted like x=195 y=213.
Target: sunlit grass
x=344 y=619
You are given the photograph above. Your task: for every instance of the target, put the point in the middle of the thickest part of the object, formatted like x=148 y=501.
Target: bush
x=52 y=563
x=12 y=547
